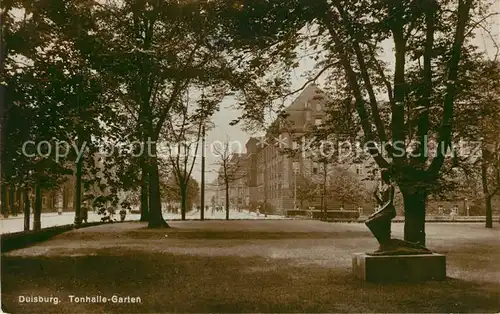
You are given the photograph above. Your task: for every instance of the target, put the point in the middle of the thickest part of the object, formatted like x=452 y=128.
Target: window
x=318 y=107
x=306 y=105
x=318 y=121
x=315 y=170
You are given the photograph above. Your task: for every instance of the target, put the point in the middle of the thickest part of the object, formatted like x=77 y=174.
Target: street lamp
x=202 y=196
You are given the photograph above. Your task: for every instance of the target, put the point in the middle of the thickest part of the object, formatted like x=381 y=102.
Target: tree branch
x=354 y=86
x=398 y=107
x=423 y=119
x=380 y=72
x=445 y=130
x=309 y=81
x=177 y=88
x=364 y=74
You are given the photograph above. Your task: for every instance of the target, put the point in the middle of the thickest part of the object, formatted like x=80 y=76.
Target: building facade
x=270 y=174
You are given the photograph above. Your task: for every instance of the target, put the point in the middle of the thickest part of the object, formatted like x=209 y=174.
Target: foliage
x=431 y=46
x=345 y=187
x=171 y=191
x=305 y=190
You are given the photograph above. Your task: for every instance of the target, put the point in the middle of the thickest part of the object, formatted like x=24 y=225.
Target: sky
x=223 y=131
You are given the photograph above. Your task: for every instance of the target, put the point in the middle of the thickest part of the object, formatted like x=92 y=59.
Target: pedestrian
x=85 y=215
x=123 y=214
x=453 y=213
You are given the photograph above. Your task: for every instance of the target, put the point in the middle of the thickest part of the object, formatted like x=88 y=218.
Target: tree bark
x=227 y=201
x=3 y=117
x=27 y=209
x=414 y=205
x=78 y=192
x=486 y=189
x=37 y=212
x=144 y=193
x=446 y=128
x=155 y=214
x=489 y=211
x=3 y=199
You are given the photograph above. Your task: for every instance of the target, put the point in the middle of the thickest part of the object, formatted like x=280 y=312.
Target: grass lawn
x=244 y=266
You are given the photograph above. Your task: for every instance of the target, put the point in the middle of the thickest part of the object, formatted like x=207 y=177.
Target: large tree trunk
x=486 y=190
x=3 y=199
x=414 y=205
x=489 y=211
x=78 y=192
x=155 y=214
x=27 y=209
x=37 y=212
x=144 y=193
x=227 y=201
x=3 y=122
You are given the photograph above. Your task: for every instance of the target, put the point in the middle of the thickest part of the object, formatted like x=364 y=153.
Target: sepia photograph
x=250 y=156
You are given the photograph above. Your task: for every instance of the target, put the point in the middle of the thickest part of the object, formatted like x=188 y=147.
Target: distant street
x=16 y=224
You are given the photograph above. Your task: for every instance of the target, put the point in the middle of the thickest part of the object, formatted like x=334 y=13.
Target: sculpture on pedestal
x=379 y=222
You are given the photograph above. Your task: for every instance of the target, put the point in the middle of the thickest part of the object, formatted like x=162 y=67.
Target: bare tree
x=184 y=131
x=231 y=167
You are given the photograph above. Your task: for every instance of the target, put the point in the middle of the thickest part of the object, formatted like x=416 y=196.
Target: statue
x=379 y=222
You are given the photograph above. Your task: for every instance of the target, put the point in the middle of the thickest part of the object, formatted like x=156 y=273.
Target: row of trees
x=113 y=74
x=109 y=74
x=117 y=71
x=341 y=186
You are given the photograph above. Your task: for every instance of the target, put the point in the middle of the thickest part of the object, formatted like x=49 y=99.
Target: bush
x=336 y=214
x=19 y=240
x=297 y=212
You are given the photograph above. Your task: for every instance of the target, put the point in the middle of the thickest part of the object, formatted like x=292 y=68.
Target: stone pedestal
x=394 y=268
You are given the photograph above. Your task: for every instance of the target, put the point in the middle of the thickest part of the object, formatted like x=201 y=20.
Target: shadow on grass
x=184 y=283
x=254 y=235
x=181 y=233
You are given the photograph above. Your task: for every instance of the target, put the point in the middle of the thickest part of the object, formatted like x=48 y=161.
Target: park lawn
x=237 y=271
